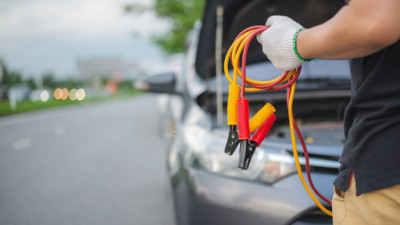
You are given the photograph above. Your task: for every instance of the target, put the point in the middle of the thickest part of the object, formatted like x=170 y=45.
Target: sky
x=38 y=36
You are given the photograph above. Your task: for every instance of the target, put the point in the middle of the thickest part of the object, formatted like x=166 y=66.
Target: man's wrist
x=296 y=52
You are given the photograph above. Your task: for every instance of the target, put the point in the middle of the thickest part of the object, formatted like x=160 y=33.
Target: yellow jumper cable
x=287 y=80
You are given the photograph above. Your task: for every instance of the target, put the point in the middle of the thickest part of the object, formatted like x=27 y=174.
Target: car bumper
x=204 y=198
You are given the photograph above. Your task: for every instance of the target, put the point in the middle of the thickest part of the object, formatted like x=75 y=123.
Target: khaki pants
x=380 y=207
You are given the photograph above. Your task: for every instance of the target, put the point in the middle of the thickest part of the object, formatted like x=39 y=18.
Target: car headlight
x=205 y=150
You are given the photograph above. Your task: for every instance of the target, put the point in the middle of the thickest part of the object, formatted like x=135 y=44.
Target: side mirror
x=159 y=83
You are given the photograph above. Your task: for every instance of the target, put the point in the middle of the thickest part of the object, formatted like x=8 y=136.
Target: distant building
x=112 y=68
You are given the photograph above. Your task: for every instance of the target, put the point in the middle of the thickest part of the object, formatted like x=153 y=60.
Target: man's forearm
x=359 y=29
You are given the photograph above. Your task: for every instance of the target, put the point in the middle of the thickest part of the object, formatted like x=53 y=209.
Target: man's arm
x=359 y=29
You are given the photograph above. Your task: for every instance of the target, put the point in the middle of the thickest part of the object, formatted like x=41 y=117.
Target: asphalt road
x=94 y=164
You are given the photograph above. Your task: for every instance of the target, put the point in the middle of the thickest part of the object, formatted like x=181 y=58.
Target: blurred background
x=78 y=142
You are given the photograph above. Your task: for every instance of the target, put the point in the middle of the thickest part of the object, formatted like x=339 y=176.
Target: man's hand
x=277 y=42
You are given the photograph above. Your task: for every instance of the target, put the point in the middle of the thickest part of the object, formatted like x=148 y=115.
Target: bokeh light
x=72 y=94
x=64 y=94
x=58 y=94
x=44 y=95
x=80 y=94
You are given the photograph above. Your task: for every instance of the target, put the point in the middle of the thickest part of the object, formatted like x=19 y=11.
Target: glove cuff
x=295 y=46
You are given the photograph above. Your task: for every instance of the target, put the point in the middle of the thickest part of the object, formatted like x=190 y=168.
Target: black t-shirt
x=372 y=123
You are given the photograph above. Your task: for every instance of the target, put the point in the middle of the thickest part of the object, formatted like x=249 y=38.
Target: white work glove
x=277 y=42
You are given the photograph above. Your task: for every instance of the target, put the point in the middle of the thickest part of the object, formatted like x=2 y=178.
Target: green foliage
x=104 y=80
x=48 y=80
x=26 y=106
x=4 y=71
x=31 y=83
x=125 y=85
x=181 y=13
x=9 y=78
x=12 y=78
x=70 y=83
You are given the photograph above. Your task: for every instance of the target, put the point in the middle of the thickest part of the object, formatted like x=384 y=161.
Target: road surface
x=87 y=164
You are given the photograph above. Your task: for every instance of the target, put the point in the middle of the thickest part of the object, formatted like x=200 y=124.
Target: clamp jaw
x=233 y=140
x=248 y=147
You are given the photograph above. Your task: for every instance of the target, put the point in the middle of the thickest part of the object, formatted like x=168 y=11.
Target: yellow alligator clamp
x=261 y=116
x=232 y=111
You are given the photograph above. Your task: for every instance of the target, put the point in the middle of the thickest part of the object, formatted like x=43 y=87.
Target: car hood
x=315 y=75
x=239 y=14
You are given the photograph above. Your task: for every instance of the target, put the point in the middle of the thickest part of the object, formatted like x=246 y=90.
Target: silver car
x=207 y=184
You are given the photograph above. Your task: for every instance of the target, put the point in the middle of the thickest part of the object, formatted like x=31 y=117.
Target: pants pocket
x=338 y=194
x=338 y=207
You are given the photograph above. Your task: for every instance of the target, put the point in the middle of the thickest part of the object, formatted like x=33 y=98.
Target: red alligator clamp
x=261 y=122
x=247 y=151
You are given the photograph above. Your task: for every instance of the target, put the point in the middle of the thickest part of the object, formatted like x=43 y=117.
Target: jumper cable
x=238 y=111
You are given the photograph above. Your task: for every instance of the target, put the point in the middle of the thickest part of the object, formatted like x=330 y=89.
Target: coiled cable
x=238 y=50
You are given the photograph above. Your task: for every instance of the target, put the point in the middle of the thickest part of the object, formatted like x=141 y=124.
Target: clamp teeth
x=233 y=141
x=247 y=150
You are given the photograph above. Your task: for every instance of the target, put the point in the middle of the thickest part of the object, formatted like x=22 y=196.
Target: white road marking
x=22 y=143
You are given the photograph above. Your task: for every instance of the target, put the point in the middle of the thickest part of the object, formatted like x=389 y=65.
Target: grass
x=26 y=106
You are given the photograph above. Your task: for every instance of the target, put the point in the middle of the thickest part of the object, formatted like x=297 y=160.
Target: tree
x=181 y=13
x=9 y=78
x=4 y=71
x=48 y=80
x=70 y=83
x=14 y=77
x=31 y=83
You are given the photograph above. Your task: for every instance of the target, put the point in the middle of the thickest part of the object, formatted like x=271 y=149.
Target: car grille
x=319 y=163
